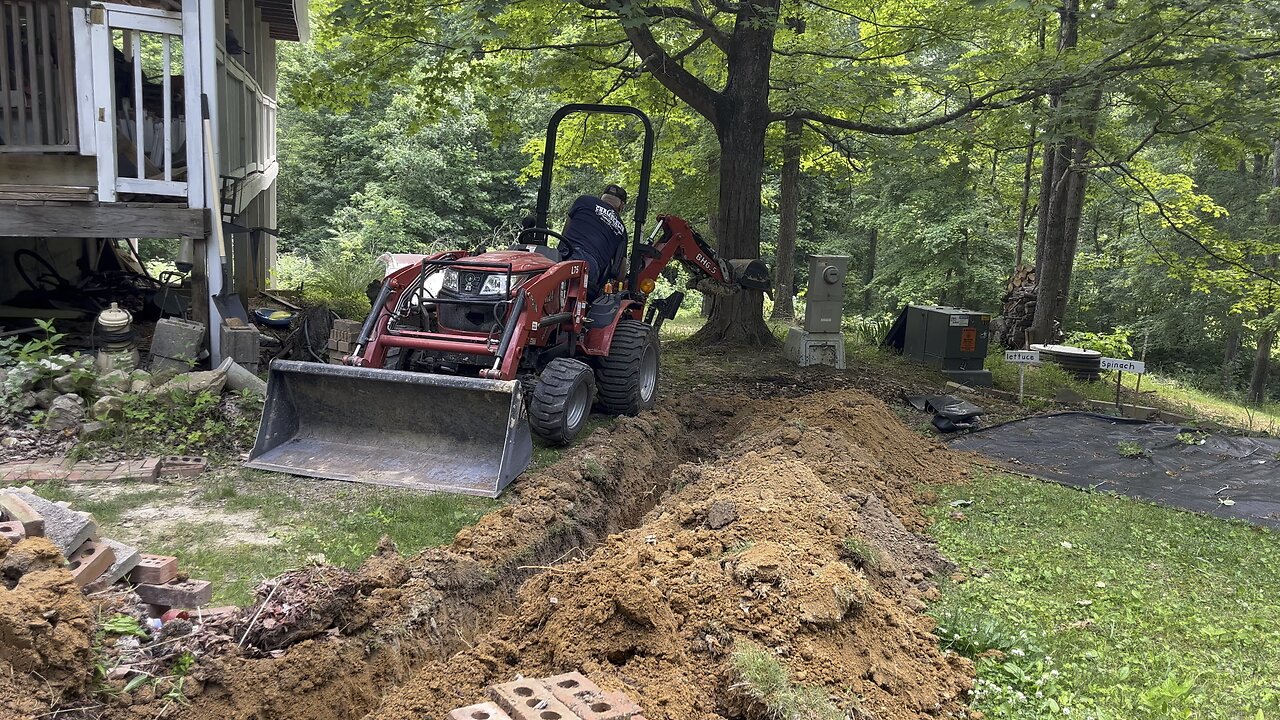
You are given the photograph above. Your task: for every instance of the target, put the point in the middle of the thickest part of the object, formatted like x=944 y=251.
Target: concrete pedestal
x=815 y=348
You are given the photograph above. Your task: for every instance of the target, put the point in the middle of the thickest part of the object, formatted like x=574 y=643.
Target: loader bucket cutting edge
x=388 y=427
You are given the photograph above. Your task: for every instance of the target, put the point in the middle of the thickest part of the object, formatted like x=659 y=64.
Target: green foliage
x=339 y=278
x=1129 y=610
x=180 y=424
x=1114 y=344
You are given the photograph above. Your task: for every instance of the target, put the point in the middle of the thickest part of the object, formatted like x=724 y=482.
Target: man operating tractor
x=595 y=233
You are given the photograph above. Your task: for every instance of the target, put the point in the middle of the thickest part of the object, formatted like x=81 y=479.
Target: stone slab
x=64 y=527
x=126 y=559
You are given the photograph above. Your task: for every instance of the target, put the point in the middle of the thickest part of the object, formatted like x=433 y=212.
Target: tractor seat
x=550 y=253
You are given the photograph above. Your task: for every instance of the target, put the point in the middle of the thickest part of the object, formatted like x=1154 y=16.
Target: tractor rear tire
x=628 y=377
x=561 y=400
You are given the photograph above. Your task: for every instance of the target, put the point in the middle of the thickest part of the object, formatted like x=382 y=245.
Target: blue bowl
x=274 y=318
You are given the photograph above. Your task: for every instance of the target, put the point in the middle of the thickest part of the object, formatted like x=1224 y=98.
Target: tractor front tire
x=561 y=400
x=628 y=377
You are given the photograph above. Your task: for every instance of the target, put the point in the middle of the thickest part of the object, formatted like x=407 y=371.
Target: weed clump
x=764 y=682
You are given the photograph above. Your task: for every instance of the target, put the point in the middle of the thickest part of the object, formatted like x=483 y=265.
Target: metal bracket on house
x=101 y=138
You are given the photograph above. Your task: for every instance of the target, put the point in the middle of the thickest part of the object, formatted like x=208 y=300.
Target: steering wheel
x=545 y=231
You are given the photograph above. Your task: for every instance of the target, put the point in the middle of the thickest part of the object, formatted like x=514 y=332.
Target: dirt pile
x=45 y=630
x=787 y=547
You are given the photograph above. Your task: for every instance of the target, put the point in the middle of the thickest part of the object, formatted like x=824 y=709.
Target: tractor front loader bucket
x=388 y=427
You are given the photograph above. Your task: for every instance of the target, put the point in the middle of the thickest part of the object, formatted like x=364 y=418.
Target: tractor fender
x=605 y=316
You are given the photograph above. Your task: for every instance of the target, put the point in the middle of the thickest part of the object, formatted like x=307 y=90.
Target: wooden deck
x=75 y=217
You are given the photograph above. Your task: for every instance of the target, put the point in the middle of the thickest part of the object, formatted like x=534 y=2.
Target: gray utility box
x=824 y=300
x=953 y=339
x=819 y=341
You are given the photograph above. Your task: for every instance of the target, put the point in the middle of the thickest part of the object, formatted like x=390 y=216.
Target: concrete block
x=185 y=594
x=176 y=344
x=529 y=700
x=154 y=570
x=64 y=527
x=17 y=510
x=126 y=559
x=481 y=711
x=89 y=561
x=12 y=531
x=241 y=343
x=815 y=348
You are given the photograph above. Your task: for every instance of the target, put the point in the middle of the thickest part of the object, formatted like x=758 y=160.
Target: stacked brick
x=36 y=471
x=342 y=340
x=97 y=563
x=564 y=697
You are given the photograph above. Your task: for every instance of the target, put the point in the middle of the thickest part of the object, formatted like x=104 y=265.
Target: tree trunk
x=1266 y=338
x=1062 y=190
x=742 y=115
x=789 y=217
x=869 y=272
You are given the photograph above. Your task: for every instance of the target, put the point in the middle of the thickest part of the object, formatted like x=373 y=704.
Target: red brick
x=147 y=469
x=187 y=594
x=12 y=531
x=529 y=700
x=154 y=570
x=89 y=561
x=588 y=701
x=15 y=508
x=481 y=711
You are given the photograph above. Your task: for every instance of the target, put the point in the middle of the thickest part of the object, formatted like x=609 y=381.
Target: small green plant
x=1130 y=449
x=1190 y=438
x=592 y=470
x=862 y=553
x=36 y=350
x=124 y=625
x=971 y=634
x=763 y=679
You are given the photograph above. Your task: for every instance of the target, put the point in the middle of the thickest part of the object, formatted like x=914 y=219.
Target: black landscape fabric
x=1224 y=476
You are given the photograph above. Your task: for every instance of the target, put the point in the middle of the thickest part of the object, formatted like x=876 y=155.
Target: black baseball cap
x=616 y=191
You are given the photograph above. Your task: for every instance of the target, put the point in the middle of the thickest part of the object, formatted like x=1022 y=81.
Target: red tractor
x=465 y=352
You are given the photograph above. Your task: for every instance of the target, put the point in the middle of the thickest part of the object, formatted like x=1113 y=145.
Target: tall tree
x=788 y=219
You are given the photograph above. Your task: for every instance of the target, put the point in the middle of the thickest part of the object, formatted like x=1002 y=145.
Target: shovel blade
x=421 y=431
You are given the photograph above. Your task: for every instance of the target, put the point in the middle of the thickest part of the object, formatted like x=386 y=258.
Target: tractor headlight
x=449 y=280
x=495 y=285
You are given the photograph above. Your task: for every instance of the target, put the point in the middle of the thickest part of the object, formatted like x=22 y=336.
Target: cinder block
x=182 y=465
x=154 y=570
x=529 y=700
x=64 y=527
x=186 y=594
x=12 y=531
x=242 y=343
x=90 y=561
x=17 y=510
x=176 y=344
x=481 y=711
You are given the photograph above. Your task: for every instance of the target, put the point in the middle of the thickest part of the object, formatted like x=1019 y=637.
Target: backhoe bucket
x=388 y=427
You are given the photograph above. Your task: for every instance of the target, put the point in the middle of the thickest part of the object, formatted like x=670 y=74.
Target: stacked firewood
x=1018 y=308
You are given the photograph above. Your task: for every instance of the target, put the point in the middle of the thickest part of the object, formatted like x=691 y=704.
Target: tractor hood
x=521 y=261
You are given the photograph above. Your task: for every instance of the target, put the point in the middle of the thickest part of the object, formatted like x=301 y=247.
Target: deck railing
x=37 y=86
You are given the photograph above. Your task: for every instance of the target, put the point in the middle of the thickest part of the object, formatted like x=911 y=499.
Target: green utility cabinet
x=952 y=339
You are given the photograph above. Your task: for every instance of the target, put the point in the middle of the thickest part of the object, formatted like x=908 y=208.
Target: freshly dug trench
x=751 y=553
x=353 y=634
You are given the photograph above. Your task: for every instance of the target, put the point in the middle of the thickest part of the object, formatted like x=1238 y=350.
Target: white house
x=101 y=133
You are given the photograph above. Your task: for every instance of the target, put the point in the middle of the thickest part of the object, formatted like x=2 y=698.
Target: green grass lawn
x=1102 y=607
x=240 y=527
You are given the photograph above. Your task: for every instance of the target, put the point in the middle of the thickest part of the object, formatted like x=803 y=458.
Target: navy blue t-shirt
x=595 y=232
